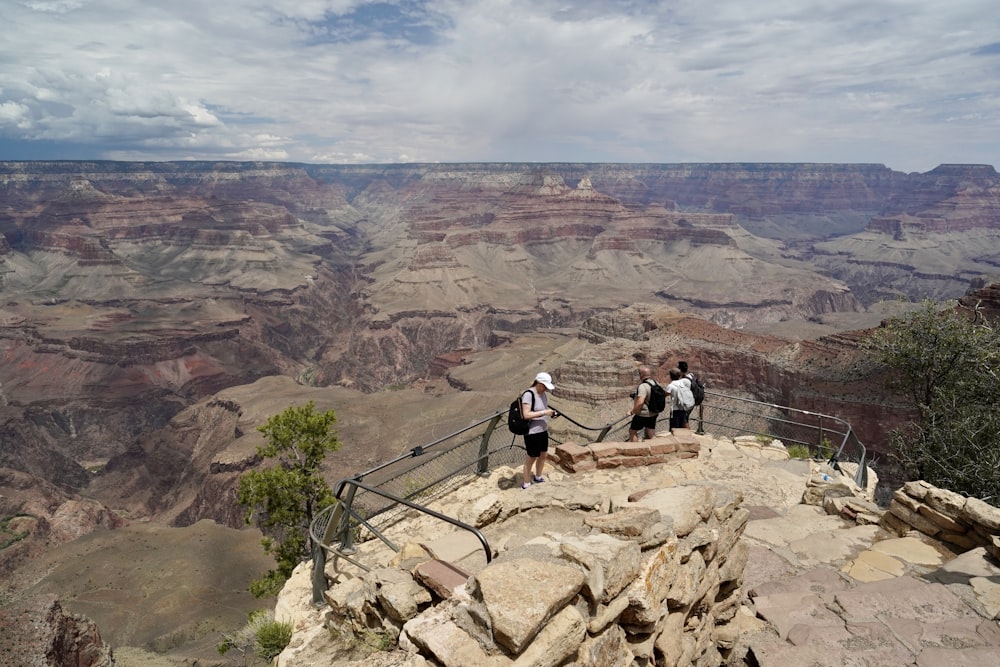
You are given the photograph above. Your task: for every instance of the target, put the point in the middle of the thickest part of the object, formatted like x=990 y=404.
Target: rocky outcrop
x=37 y=632
x=36 y=516
x=620 y=537
x=653 y=581
x=830 y=375
x=965 y=523
x=985 y=298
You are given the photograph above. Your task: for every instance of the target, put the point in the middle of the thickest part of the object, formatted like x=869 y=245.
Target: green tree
x=282 y=499
x=945 y=362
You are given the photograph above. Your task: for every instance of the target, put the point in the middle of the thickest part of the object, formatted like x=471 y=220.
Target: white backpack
x=684 y=395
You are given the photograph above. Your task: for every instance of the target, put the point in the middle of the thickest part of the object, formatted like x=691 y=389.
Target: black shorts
x=639 y=423
x=678 y=419
x=536 y=443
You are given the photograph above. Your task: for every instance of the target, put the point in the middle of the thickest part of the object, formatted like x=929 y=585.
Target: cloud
x=14 y=116
x=908 y=84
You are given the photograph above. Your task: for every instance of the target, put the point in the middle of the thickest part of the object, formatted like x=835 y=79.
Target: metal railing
x=377 y=498
x=825 y=436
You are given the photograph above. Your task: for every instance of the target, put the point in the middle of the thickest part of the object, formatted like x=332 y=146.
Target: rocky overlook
x=155 y=313
x=729 y=554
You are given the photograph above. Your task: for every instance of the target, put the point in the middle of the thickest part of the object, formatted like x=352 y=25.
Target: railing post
x=319 y=574
x=483 y=462
x=701 y=419
x=820 y=429
x=344 y=529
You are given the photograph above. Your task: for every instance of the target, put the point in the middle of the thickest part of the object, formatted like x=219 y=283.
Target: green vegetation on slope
x=946 y=363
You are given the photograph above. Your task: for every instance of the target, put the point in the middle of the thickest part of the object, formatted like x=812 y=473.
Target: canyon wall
x=142 y=300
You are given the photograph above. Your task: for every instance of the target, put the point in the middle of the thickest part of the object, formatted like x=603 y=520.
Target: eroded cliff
x=146 y=304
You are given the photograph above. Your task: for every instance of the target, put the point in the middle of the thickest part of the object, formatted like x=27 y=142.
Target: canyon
x=154 y=314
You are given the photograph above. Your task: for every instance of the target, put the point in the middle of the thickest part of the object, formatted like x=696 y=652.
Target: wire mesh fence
x=823 y=436
x=436 y=468
x=728 y=416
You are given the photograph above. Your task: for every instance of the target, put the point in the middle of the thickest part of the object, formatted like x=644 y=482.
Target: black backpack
x=657 y=401
x=697 y=389
x=515 y=423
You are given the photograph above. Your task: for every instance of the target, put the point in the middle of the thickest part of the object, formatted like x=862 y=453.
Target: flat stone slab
x=787 y=610
x=833 y=546
x=964 y=567
x=873 y=565
x=818 y=581
x=987 y=592
x=799 y=522
x=786 y=655
x=848 y=636
x=758 y=512
x=951 y=657
x=905 y=598
x=910 y=550
x=901 y=620
x=765 y=566
x=440 y=577
x=454 y=547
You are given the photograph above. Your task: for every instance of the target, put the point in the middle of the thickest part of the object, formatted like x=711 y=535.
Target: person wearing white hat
x=536 y=441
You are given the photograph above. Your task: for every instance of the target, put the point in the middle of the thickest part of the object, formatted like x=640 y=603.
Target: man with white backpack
x=681 y=399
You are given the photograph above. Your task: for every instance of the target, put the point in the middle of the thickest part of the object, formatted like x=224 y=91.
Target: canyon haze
x=154 y=314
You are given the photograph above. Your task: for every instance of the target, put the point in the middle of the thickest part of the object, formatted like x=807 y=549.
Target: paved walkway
x=835 y=594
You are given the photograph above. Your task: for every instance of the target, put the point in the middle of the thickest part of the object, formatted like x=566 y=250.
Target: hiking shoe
x=526 y=485
x=536 y=479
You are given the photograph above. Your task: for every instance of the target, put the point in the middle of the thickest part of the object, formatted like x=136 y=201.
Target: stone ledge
x=966 y=523
x=664 y=448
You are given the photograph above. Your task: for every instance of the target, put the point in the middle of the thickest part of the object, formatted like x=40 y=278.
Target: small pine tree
x=282 y=499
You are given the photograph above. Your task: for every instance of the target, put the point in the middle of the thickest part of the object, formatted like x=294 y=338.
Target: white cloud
x=536 y=80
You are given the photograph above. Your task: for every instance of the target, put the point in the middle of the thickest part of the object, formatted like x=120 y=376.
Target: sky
x=905 y=83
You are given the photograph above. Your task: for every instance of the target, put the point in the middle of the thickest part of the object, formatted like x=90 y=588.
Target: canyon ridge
x=154 y=314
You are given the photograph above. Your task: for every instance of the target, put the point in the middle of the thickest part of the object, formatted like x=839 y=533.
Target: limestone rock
x=646 y=526
x=396 y=592
x=483 y=511
x=650 y=588
x=521 y=595
x=558 y=640
x=608 y=649
x=944 y=501
x=688 y=505
x=610 y=564
x=434 y=631
x=977 y=511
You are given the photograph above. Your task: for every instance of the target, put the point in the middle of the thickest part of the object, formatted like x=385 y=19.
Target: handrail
x=420 y=508
x=787 y=429
x=346 y=549
x=474 y=449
